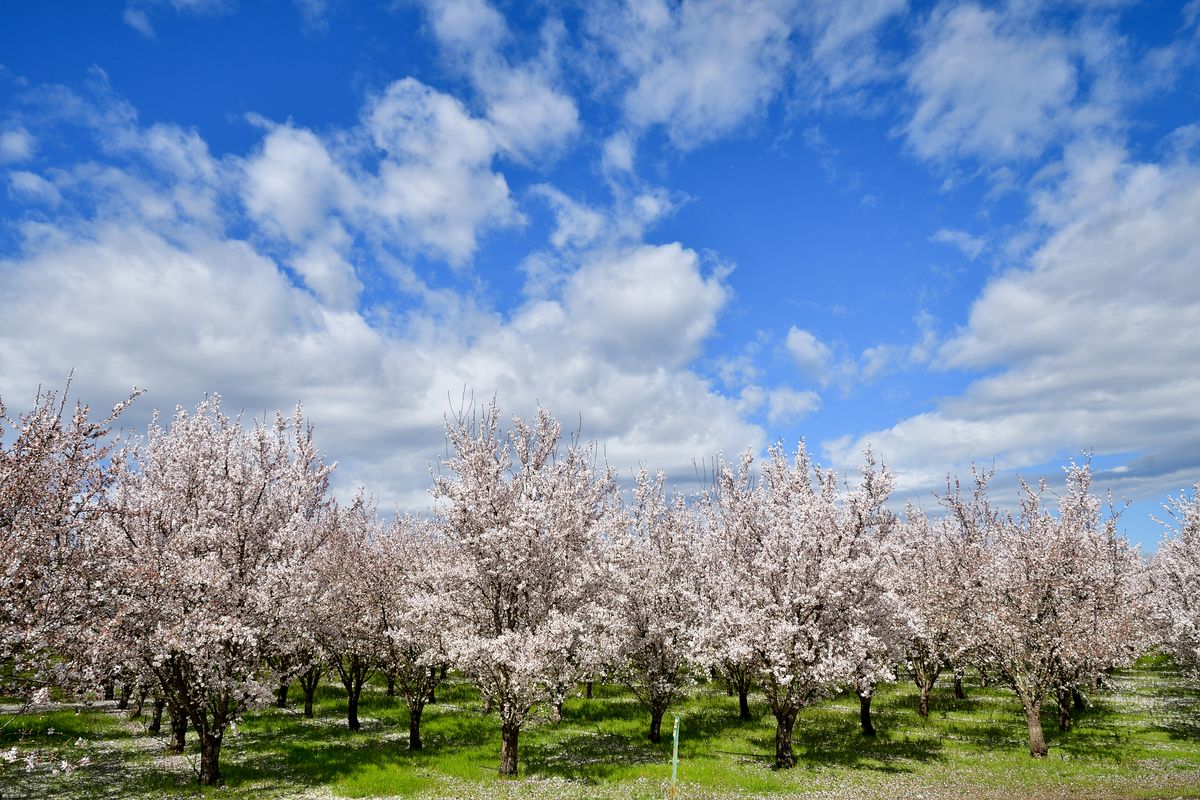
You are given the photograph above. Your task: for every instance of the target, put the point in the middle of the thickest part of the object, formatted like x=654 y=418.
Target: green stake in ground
x=674 y=758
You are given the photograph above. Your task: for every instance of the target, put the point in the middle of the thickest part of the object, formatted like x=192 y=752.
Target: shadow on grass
x=826 y=740
x=588 y=756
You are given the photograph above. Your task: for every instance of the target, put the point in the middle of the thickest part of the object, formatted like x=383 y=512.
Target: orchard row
x=206 y=565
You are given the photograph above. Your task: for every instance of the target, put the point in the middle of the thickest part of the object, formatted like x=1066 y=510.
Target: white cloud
x=530 y=116
x=128 y=287
x=699 y=69
x=417 y=171
x=645 y=307
x=811 y=356
x=843 y=36
x=989 y=86
x=28 y=186
x=437 y=184
x=293 y=181
x=16 y=145
x=788 y=406
x=1091 y=346
x=618 y=152
x=576 y=225
x=970 y=246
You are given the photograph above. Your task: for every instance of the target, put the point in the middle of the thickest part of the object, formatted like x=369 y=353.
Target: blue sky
x=959 y=232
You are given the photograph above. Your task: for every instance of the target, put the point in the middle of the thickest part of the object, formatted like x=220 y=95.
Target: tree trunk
x=558 y=711
x=743 y=702
x=509 y=731
x=156 y=718
x=1064 y=709
x=587 y=690
x=309 y=681
x=923 y=700
x=784 y=722
x=1033 y=716
x=391 y=684
x=656 y=715
x=352 y=706
x=179 y=726
x=281 y=695
x=210 y=758
x=414 y=726
x=110 y=689
x=864 y=714
x=959 y=694
x=136 y=711
x=1077 y=699
x=728 y=688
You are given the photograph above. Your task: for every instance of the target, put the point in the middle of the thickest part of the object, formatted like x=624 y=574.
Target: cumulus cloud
x=789 y=406
x=436 y=184
x=292 y=182
x=16 y=145
x=989 y=86
x=31 y=187
x=699 y=69
x=1091 y=345
x=811 y=356
x=417 y=172
x=528 y=113
x=645 y=307
x=128 y=284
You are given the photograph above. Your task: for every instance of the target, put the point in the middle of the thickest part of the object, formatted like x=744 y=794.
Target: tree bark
x=391 y=684
x=656 y=716
x=1064 y=709
x=784 y=722
x=959 y=694
x=210 y=758
x=309 y=681
x=1078 y=700
x=136 y=711
x=743 y=703
x=1033 y=717
x=179 y=726
x=156 y=717
x=352 y=706
x=110 y=689
x=281 y=695
x=509 y=731
x=587 y=690
x=923 y=700
x=414 y=726
x=864 y=714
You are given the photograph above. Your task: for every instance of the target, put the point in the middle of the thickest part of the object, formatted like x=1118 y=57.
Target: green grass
x=1140 y=738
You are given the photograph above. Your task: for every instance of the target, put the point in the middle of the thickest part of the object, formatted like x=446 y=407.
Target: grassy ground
x=1140 y=739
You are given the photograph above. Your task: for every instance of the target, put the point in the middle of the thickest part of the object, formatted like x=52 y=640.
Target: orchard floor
x=1139 y=739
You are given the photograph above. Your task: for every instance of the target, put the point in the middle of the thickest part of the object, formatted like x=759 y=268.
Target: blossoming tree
x=213 y=525
x=522 y=520
x=1057 y=594
x=54 y=470
x=797 y=567
x=656 y=597
x=1175 y=578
